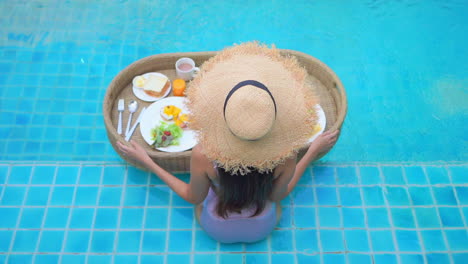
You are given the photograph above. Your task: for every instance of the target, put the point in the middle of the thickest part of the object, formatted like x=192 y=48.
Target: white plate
x=152 y=118
x=140 y=93
x=322 y=121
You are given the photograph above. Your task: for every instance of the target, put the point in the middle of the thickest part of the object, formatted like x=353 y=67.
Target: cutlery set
x=132 y=108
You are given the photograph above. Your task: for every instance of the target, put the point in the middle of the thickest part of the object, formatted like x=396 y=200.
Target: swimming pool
x=404 y=68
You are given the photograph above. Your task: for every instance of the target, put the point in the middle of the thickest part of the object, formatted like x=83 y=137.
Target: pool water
x=393 y=190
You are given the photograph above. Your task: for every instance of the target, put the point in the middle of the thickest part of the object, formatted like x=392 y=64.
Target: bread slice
x=156 y=86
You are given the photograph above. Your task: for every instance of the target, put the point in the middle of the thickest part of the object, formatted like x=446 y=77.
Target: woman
x=250 y=106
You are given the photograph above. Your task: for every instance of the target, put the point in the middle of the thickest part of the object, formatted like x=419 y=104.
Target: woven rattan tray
x=329 y=89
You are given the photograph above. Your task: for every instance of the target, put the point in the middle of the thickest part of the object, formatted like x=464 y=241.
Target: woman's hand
x=135 y=152
x=324 y=142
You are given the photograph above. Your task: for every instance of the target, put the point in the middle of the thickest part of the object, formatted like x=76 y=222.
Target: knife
x=130 y=132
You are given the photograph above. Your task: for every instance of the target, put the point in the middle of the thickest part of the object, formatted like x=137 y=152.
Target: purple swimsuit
x=237 y=227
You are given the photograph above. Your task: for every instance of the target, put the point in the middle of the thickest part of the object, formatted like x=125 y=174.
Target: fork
x=120 y=108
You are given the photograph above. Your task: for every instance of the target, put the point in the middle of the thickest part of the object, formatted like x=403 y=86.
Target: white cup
x=185 y=69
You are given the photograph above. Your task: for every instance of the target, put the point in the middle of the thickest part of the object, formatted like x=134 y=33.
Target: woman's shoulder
x=200 y=161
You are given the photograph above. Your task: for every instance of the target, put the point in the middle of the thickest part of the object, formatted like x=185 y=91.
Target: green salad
x=166 y=135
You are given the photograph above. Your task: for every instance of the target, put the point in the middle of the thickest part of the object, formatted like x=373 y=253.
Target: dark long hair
x=237 y=192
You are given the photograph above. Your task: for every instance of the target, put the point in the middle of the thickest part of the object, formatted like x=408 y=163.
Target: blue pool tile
x=126 y=259
x=346 y=175
x=306 y=178
x=437 y=258
x=20 y=175
x=462 y=193
x=136 y=176
x=329 y=258
x=350 y=196
x=281 y=240
x=86 y=195
x=457 y=239
x=73 y=259
x=412 y=258
x=385 y=259
x=178 y=201
x=47 y=259
x=37 y=196
x=156 y=218
x=56 y=217
x=458 y=174
x=332 y=240
x=154 y=241
x=353 y=217
x=281 y=258
x=415 y=175
x=402 y=217
x=180 y=241
x=465 y=212
x=77 y=241
x=43 y=175
x=90 y=175
x=287 y=215
x=407 y=240
x=13 y=195
x=326 y=196
x=393 y=175
x=356 y=240
x=377 y=217
x=3 y=173
x=308 y=259
x=135 y=196
x=131 y=218
x=25 y=241
x=110 y=196
x=324 y=175
x=260 y=246
x=234 y=247
x=114 y=175
x=303 y=216
x=6 y=236
x=96 y=259
x=427 y=217
x=62 y=195
x=306 y=241
x=172 y=258
x=67 y=175
x=129 y=241
x=329 y=217
x=230 y=259
x=444 y=196
x=373 y=195
x=82 y=218
x=369 y=175
x=103 y=241
x=450 y=217
x=437 y=175
x=303 y=196
x=182 y=218
x=253 y=258
x=152 y=259
x=460 y=258
x=397 y=196
x=204 y=243
x=382 y=241
x=106 y=218
x=14 y=258
x=51 y=241
x=360 y=259
x=421 y=195
x=9 y=216
x=31 y=217
x=433 y=240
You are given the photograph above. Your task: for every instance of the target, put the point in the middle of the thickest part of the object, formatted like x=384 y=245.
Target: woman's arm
x=194 y=192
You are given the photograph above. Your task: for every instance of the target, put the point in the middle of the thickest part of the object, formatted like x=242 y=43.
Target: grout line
x=340 y=212
x=169 y=215
x=92 y=229
x=145 y=210
x=269 y=248
x=366 y=217
x=390 y=218
x=413 y=213
x=455 y=193
x=7 y=178
x=119 y=217
x=20 y=214
x=317 y=221
x=439 y=218
x=44 y=218
x=192 y=253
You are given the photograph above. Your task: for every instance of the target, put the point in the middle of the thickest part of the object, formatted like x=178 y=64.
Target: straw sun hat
x=251 y=108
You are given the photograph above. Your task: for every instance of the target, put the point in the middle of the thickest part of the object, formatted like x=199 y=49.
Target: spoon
x=132 y=107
